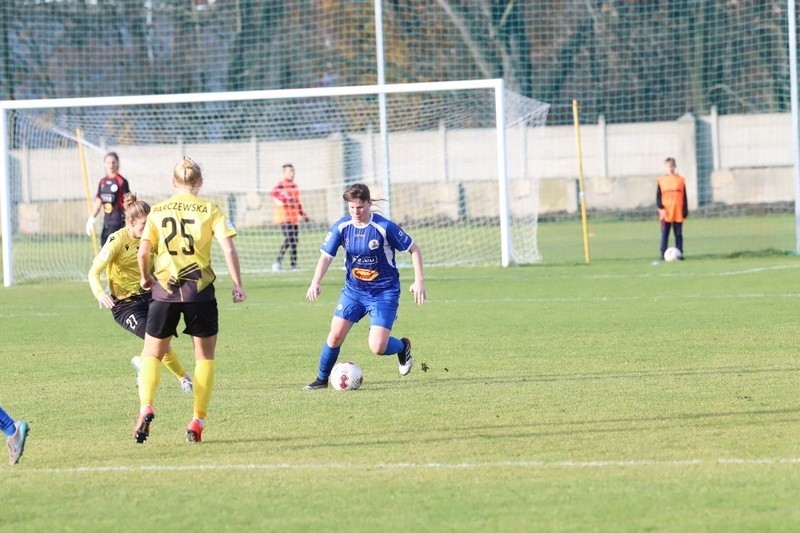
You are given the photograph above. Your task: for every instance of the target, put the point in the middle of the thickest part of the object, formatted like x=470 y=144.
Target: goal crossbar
x=9 y=106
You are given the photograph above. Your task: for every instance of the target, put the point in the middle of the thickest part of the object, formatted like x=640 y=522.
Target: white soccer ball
x=672 y=254
x=346 y=376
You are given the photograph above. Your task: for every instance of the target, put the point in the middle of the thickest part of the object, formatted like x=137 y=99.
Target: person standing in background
x=288 y=212
x=673 y=207
x=110 y=191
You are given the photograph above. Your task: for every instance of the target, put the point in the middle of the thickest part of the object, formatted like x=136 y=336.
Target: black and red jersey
x=110 y=190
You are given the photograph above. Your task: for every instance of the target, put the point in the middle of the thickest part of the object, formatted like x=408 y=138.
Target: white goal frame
x=497 y=85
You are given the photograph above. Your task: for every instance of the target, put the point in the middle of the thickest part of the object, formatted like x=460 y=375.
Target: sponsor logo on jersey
x=364 y=274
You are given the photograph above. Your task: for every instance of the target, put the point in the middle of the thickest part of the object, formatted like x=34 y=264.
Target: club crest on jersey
x=364 y=274
x=373 y=244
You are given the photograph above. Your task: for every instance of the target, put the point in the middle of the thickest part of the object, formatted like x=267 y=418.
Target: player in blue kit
x=16 y=435
x=371 y=284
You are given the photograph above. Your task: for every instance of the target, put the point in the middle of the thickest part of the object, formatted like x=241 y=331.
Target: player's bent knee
x=378 y=349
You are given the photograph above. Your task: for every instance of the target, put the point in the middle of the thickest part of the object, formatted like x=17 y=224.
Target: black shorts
x=200 y=318
x=131 y=313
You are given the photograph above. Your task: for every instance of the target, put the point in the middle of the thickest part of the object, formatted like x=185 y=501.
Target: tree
x=494 y=33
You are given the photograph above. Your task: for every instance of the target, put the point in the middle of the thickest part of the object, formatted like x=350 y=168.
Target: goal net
x=457 y=179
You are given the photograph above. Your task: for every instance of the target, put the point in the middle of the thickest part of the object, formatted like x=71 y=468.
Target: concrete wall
x=730 y=159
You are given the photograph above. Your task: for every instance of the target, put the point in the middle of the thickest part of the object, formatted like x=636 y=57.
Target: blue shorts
x=382 y=308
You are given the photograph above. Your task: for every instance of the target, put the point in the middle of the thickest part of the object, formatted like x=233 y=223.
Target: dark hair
x=288 y=165
x=134 y=208
x=670 y=160
x=357 y=191
x=112 y=154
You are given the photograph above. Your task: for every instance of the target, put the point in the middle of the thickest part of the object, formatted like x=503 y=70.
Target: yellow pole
x=581 y=190
x=87 y=191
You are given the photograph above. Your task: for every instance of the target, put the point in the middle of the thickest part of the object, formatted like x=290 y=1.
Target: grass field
x=559 y=243
x=615 y=396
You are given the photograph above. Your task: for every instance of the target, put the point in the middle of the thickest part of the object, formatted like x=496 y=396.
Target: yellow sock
x=204 y=372
x=173 y=364
x=149 y=378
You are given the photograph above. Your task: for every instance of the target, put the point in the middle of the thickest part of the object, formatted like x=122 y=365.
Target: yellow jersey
x=181 y=231
x=118 y=257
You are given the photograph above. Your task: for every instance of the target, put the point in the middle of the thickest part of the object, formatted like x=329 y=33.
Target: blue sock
x=327 y=358
x=7 y=423
x=394 y=346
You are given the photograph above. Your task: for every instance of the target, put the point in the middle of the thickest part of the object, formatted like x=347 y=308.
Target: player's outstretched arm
x=232 y=260
x=145 y=278
x=418 y=287
x=99 y=265
x=315 y=288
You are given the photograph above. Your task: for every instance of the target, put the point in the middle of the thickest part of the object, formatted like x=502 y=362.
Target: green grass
x=616 y=396
x=559 y=243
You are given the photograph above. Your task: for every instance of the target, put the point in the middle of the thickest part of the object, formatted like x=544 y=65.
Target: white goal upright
x=458 y=177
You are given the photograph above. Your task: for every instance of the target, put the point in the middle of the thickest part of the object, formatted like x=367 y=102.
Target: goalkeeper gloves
x=89 y=226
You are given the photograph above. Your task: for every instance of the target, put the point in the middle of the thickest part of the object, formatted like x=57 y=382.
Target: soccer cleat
x=136 y=363
x=276 y=266
x=142 y=429
x=16 y=442
x=186 y=384
x=404 y=358
x=194 y=431
x=317 y=384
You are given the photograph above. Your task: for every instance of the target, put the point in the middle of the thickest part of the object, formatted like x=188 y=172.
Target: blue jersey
x=370 y=261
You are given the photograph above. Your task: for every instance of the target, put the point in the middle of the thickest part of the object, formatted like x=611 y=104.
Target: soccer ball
x=346 y=376
x=672 y=254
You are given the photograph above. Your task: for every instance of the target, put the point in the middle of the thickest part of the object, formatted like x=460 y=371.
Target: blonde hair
x=134 y=209
x=188 y=174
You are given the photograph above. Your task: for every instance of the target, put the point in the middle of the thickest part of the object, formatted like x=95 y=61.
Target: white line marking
x=725 y=461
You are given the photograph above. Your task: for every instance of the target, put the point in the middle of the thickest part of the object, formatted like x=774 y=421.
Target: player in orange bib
x=673 y=208
x=288 y=214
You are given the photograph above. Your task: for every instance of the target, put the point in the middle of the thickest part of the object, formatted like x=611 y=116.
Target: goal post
x=459 y=185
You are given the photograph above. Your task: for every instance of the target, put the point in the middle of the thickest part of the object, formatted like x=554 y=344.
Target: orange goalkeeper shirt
x=288 y=209
x=671 y=197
